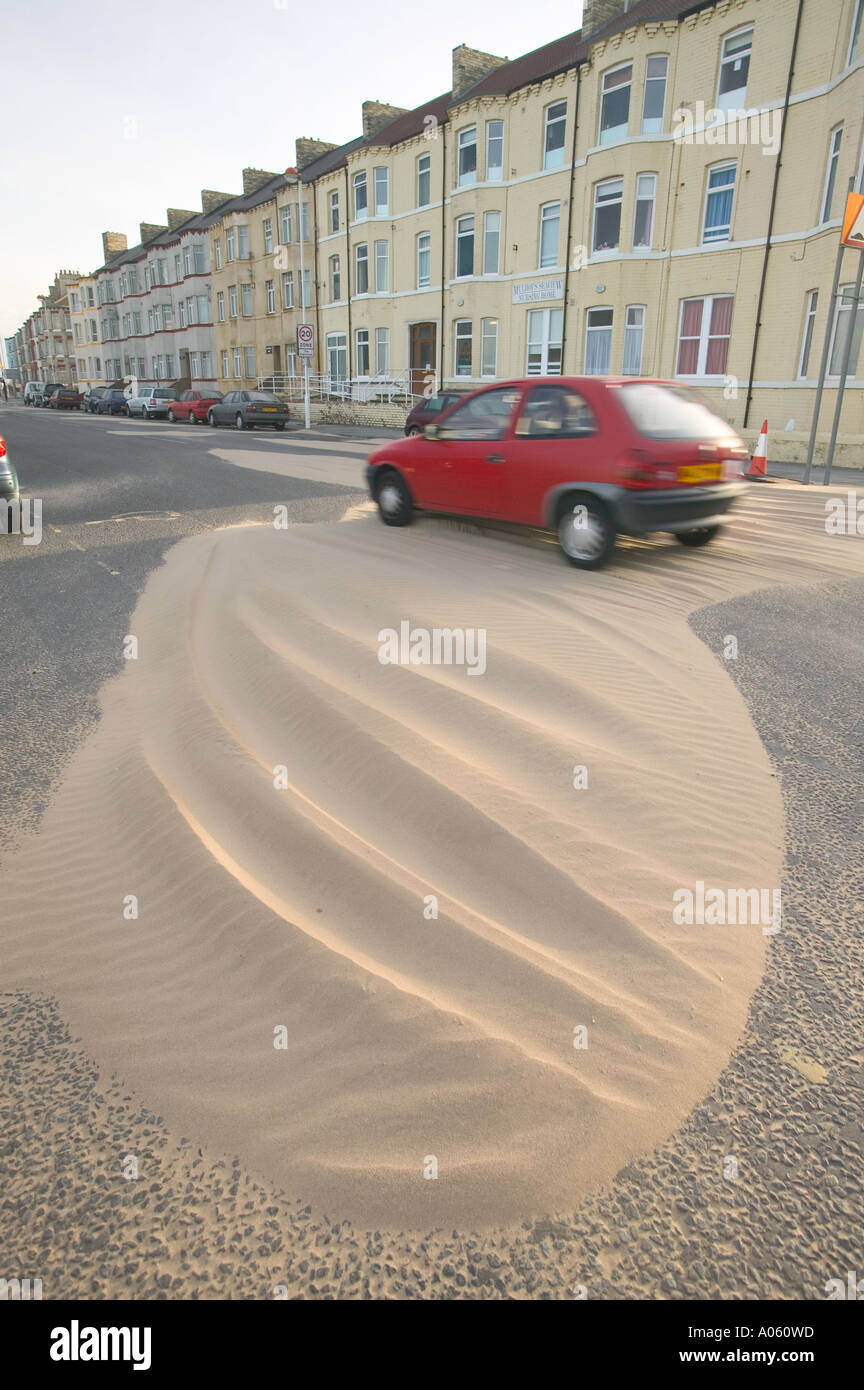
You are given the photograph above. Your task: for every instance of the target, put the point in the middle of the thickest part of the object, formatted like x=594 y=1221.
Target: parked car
x=111 y=402
x=429 y=409
x=588 y=457
x=91 y=398
x=151 y=402
x=46 y=391
x=246 y=409
x=32 y=389
x=193 y=406
x=8 y=476
x=65 y=398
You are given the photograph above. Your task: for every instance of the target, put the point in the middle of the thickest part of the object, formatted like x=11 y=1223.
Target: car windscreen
x=669 y=412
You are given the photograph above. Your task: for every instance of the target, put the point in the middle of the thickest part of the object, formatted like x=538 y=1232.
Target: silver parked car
x=151 y=402
x=246 y=409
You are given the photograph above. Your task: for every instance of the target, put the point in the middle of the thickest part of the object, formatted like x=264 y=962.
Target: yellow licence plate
x=700 y=472
x=268 y=408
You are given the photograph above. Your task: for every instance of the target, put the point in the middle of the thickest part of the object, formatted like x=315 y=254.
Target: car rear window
x=263 y=396
x=669 y=412
x=165 y=393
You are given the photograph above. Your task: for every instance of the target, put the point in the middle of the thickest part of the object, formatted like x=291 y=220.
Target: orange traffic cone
x=759 y=461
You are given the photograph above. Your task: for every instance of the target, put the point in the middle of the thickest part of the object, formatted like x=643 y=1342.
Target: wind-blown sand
x=303 y=907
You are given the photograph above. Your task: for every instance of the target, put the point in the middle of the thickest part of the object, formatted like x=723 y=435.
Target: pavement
x=789 y=1212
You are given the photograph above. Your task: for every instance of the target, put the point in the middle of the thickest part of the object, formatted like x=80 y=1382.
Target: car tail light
x=250 y=408
x=636 y=469
x=2 y=447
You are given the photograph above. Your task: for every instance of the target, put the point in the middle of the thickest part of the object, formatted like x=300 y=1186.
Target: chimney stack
x=306 y=150
x=255 y=178
x=469 y=65
x=596 y=13
x=147 y=230
x=177 y=216
x=377 y=114
x=210 y=199
x=112 y=244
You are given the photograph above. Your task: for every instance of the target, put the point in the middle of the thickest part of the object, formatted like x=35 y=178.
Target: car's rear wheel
x=395 y=503
x=239 y=422
x=702 y=536
x=172 y=417
x=280 y=425
x=414 y=431
x=586 y=531
x=192 y=418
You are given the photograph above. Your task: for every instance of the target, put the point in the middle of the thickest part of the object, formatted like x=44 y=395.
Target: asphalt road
x=116 y=494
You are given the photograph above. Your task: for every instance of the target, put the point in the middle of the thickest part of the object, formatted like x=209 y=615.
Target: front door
x=424 y=341
x=277 y=360
x=554 y=444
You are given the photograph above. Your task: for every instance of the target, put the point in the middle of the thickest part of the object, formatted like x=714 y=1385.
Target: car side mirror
x=430 y=432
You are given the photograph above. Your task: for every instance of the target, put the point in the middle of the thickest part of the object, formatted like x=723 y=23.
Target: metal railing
x=386 y=388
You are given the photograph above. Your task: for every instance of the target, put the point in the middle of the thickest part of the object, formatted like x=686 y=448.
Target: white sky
x=113 y=112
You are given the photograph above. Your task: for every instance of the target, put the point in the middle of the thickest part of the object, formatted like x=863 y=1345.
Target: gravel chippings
x=787 y=1112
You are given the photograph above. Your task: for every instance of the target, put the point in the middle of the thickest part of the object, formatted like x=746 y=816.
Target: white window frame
x=424 y=171
x=845 y=292
x=382 y=267
x=736 y=96
x=249 y=362
x=707 y=301
x=285 y=225
x=334 y=210
x=634 y=322
x=494 y=172
x=424 y=280
x=653 y=125
x=463 y=232
x=358 y=261
x=595 y=330
x=460 y=336
x=618 y=132
x=547 y=343
x=246 y=299
x=288 y=289
x=811 y=306
x=359 y=183
x=855 y=33
x=381 y=180
x=466 y=140
x=835 y=143
x=361 y=341
x=217 y=254
x=489 y=356
x=337 y=342
x=238 y=364
x=491 y=238
x=268 y=236
x=639 y=199
x=382 y=351
x=335 y=268
x=230 y=246
x=614 y=195
x=549 y=213
x=554 y=158
x=270 y=290
x=725 y=235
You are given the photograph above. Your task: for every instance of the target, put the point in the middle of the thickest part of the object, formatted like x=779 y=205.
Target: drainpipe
x=570 y=219
x=768 y=235
x=348 y=264
x=443 y=229
x=313 y=194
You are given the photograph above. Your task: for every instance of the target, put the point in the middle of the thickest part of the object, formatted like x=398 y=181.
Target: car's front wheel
x=395 y=503
x=280 y=425
x=172 y=417
x=414 y=431
x=701 y=536
x=586 y=532
x=211 y=419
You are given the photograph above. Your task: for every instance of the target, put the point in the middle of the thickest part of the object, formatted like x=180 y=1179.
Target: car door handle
x=494 y=458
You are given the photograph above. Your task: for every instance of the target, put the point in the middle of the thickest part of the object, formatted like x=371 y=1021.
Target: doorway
x=424 y=342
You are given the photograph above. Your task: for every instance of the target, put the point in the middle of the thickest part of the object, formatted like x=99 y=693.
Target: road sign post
x=306 y=348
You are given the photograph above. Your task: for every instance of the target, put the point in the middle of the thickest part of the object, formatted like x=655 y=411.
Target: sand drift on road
x=283 y=807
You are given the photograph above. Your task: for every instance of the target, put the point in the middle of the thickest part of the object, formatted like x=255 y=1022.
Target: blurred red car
x=587 y=457
x=192 y=406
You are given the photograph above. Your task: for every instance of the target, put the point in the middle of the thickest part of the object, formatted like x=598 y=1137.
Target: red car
x=588 y=457
x=192 y=406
